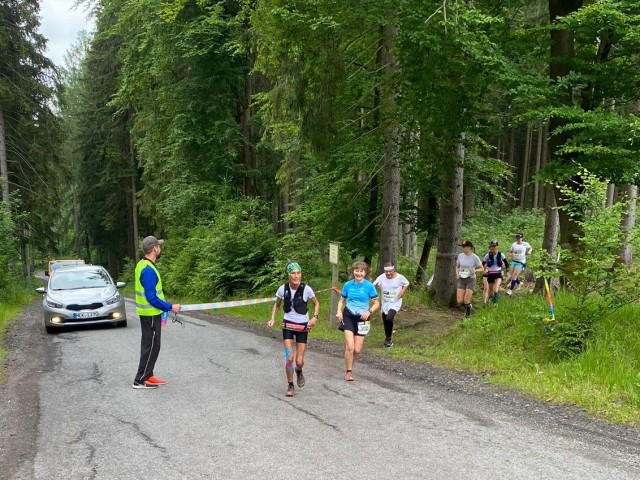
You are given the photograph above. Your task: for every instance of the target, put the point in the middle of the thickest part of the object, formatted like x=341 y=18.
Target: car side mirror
x=120 y=284
x=41 y=290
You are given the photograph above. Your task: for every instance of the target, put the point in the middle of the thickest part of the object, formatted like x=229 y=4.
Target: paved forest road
x=224 y=415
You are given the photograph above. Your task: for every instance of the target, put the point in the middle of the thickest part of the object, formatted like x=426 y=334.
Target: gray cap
x=149 y=242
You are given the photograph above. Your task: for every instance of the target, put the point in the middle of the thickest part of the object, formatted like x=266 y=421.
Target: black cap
x=519 y=235
x=493 y=243
x=466 y=243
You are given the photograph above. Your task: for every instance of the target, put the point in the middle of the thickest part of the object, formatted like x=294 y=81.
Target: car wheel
x=51 y=329
x=122 y=323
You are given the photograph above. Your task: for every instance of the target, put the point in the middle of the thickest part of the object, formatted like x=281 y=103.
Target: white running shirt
x=520 y=251
x=390 y=288
x=293 y=316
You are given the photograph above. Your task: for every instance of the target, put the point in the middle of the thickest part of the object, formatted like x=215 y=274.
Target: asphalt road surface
x=224 y=415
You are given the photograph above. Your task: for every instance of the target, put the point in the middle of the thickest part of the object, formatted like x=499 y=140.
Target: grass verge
x=12 y=301
x=507 y=343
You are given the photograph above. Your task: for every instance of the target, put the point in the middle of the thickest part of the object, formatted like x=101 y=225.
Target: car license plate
x=85 y=315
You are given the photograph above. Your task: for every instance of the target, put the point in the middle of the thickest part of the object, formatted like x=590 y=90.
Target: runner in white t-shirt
x=296 y=323
x=467 y=265
x=393 y=286
x=518 y=253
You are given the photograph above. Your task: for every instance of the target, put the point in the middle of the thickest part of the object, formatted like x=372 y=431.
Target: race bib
x=389 y=296
x=464 y=273
x=364 y=327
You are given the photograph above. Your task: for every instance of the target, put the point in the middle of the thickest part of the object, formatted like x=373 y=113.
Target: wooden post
x=333 y=259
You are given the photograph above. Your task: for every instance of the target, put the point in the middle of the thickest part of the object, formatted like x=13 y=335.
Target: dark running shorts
x=493 y=276
x=295 y=331
x=354 y=323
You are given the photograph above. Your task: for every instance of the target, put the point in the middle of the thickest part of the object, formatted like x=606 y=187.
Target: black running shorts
x=354 y=323
x=297 y=332
x=493 y=276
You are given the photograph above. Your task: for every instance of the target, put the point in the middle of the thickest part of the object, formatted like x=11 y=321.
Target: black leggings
x=387 y=320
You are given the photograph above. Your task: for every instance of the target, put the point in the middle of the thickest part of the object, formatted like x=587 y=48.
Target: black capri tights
x=387 y=320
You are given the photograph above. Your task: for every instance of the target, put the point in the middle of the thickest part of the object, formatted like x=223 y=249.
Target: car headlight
x=53 y=304
x=114 y=299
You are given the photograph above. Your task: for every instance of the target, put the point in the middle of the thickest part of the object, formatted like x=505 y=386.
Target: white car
x=82 y=295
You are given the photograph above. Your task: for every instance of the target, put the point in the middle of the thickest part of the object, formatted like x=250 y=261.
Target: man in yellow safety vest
x=150 y=304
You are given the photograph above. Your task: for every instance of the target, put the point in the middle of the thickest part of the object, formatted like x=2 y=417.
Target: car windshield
x=71 y=279
x=63 y=263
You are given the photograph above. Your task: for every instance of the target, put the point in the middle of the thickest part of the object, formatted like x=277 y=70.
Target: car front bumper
x=60 y=317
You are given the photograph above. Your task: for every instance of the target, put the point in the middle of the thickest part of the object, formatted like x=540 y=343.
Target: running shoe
x=509 y=292
x=155 y=381
x=139 y=385
x=290 y=391
x=349 y=377
x=388 y=342
x=300 y=378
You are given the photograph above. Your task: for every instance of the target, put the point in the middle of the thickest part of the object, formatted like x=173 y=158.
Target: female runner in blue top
x=361 y=300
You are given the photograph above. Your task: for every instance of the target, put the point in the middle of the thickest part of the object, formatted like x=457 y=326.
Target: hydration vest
x=497 y=259
x=298 y=304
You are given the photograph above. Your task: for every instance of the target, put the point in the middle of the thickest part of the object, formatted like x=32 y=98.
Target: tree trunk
x=76 y=222
x=134 y=200
x=248 y=152
x=449 y=226
x=525 y=168
x=511 y=183
x=431 y=221
x=469 y=201
x=421 y=274
x=390 y=214
x=545 y=158
x=283 y=223
x=629 y=193
x=413 y=236
x=562 y=54
x=536 y=188
x=405 y=230
x=611 y=195
x=551 y=227
x=4 y=171
x=370 y=233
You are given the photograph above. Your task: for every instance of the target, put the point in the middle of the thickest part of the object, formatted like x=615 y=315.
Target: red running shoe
x=155 y=381
x=349 y=377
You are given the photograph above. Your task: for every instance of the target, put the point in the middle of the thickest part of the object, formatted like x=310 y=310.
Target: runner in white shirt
x=467 y=265
x=518 y=253
x=294 y=296
x=393 y=286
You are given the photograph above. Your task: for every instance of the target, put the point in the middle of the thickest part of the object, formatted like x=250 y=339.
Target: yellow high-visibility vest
x=143 y=307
